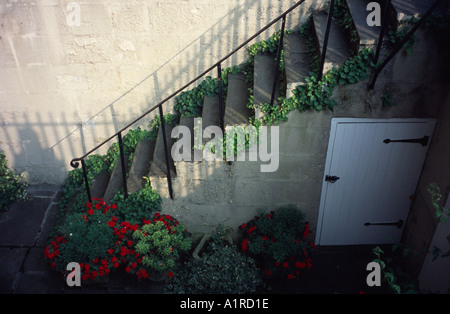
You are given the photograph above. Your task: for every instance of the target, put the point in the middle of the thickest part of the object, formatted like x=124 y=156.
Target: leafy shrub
x=161 y=242
x=221 y=270
x=11 y=189
x=139 y=205
x=278 y=242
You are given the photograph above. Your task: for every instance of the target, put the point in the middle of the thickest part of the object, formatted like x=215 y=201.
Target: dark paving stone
x=10 y=263
x=38 y=283
x=49 y=224
x=20 y=225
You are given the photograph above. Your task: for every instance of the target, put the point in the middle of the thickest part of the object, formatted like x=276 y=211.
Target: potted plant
x=279 y=242
x=159 y=243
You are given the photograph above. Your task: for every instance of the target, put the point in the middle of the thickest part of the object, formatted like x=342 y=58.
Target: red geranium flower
x=170 y=274
x=244 y=245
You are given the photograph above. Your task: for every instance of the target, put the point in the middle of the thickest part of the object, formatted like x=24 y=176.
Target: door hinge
x=331 y=179
x=398 y=224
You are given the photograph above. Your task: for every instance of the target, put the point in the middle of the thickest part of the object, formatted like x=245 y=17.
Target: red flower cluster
x=52 y=250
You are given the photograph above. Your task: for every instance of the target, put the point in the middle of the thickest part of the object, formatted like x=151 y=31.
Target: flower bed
x=101 y=243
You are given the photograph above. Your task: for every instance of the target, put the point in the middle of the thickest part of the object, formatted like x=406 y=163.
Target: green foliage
x=345 y=21
x=314 y=94
x=396 y=37
x=190 y=103
x=394 y=276
x=162 y=243
x=387 y=100
x=269 y=45
x=222 y=269
x=139 y=205
x=441 y=212
x=278 y=242
x=11 y=187
x=130 y=141
x=307 y=30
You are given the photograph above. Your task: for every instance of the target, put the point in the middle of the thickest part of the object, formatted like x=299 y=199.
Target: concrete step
x=159 y=167
x=100 y=184
x=195 y=154
x=263 y=82
x=116 y=181
x=140 y=166
x=338 y=49
x=236 y=111
x=368 y=35
x=296 y=58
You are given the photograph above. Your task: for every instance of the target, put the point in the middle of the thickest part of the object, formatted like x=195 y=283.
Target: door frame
x=331 y=142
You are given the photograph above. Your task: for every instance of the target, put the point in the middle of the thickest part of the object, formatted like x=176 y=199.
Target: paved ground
x=23 y=270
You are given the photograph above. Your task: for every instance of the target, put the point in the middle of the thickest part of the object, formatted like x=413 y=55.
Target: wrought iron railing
x=400 y=44
x=76 y=161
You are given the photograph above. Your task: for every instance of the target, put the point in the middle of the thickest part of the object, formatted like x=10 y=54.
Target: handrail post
x=221 y=107
x=277 y=63
x=166 y=151
x=86 y=181
x=402 y=43
x=384 y=23
x=325 y=41
x=122 y=160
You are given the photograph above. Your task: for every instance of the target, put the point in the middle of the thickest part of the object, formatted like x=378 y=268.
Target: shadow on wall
x=47 y=141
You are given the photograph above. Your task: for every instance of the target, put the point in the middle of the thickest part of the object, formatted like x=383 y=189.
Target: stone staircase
x=149 y=158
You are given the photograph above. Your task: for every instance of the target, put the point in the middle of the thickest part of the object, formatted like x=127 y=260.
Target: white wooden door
x=370 y=201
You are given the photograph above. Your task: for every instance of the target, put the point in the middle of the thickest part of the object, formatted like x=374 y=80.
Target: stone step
x=159 y=167
x=296 y=58
x=140 y=166
x=100 y=184
x=236 y=111
x=116 y=181
x=211 y=111
x=408 y=8
x=368 y=35
x=338 y=49
x=263 y=82
x=210 y=117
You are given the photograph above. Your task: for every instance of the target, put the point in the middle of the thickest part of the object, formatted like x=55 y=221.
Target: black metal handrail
x=398 y=47
x=75 y=162
x=218 y=65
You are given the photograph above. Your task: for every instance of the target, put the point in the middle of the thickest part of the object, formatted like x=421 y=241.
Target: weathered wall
x=422 y=221
x=64 y=88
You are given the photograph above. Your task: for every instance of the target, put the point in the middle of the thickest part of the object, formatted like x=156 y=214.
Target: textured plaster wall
x=65 y=88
